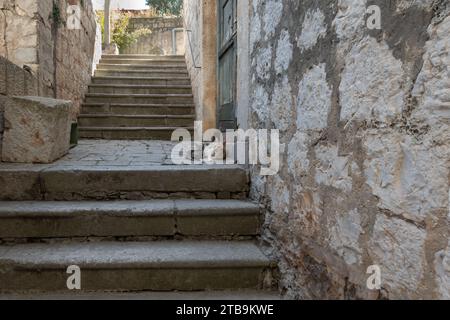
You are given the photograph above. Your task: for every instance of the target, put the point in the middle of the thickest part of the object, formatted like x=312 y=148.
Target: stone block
x=2 y=76
x=37 y=130
x=15 y=80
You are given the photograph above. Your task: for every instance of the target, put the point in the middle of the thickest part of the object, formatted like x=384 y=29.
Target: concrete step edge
x=140 y=86
x=138 y=105
x=138 y=78
x=159 y=70
x=169 y=56
x=124 y=129
x=126 y=208
x=230 y=295
x=49 y=182
x=102 y=66
x=126 y=116
x=135 y=255
x=138 y=95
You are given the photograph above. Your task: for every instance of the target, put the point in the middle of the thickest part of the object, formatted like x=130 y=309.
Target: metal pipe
x=192 y=51
x=107 y=23
x=174 y=39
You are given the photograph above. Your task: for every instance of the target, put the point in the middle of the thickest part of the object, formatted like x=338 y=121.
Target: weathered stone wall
x=36 y=34
x=364 y=117
x=18 y=30
x=160 y=40
x=201 y=57
x=73 y=50
x=14 y=81
x=193 y=24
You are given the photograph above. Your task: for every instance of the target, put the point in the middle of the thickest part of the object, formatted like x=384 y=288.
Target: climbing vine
x=166 y=7
x=120 y=33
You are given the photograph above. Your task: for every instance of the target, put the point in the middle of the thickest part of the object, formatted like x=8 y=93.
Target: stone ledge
x=162 y=265
x=37 y=130
x=50 y=182
x=155 y=218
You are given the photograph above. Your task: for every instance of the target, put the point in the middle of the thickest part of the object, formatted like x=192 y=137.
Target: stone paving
x=113 y=153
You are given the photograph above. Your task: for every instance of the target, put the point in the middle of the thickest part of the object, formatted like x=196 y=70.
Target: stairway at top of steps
x=134 y=97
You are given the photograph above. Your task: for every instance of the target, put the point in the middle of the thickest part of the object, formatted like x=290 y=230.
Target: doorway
x=227 y=64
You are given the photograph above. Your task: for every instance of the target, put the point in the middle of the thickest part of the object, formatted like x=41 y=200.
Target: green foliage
x=120 y=34
x=166 y=7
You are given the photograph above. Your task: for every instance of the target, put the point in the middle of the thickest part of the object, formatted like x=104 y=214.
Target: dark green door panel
x=226 y=110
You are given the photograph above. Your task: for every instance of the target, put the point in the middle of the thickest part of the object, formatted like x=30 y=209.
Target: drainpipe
x=107 y=24
x=174 y=39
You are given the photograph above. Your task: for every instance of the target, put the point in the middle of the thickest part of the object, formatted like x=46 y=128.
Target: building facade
x=359 y=91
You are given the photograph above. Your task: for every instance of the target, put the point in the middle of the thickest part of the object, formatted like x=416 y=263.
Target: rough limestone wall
x=364 y=117
x=98 y=51
x=73 y=50
x=18 y=32
x=160 y=40
x=35 y=34
x=14 y=81
x=192 y=14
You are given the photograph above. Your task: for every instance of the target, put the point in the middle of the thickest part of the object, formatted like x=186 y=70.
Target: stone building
x=364 y=120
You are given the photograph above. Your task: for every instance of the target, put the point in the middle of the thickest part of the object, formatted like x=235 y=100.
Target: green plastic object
x=74 y=134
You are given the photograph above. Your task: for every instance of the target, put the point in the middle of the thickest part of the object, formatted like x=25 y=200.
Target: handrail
x=192 y=51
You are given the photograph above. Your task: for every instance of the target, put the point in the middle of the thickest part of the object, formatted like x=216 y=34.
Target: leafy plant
x=166 y=7
x=120 y=34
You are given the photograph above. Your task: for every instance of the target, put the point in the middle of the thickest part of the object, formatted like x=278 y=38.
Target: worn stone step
x=164 y=218
x=105 y=120
x=229 y=295
x=144 y=56
x=146 y=62
x=153 y=266
x=142 y=73
x=161 y=81
x=139 y=98
x=129 y=133
x=147 y=68
x=66 y=182
x=139 y=89
x=138 y=109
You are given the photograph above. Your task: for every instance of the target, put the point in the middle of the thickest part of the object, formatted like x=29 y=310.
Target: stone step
x=147 y=68
x=144 y=56
x=129 y=133
x=60 y=182
x=139 y=73
x=139 y=98
x=106 y=120
x=229 y=295
x=125 y=266
x=143 y=62
x=159 y=218
x=139 y=89
x=162 y=81
x=138 y=109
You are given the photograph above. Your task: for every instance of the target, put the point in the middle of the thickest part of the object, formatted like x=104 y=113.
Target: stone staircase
x=130 y=229
x=137 y=97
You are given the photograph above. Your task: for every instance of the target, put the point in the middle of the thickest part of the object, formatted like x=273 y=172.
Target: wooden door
x=227 y=48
